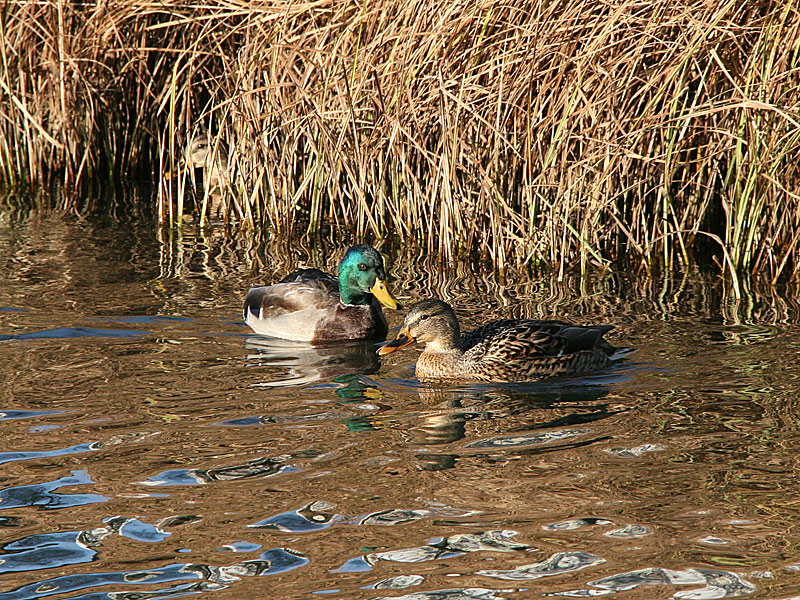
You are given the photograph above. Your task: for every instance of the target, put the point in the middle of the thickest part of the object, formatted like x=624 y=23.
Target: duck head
x=203 y=154
x=430 y=321
x=361 y=273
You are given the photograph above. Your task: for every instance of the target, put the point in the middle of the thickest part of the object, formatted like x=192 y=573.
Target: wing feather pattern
x=526 y=349
x=305 y=306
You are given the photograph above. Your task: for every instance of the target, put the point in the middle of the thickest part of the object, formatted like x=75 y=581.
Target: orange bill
x=178 y=170
x=402 y=340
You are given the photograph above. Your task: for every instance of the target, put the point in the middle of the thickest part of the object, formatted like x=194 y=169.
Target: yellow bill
x=384 y=297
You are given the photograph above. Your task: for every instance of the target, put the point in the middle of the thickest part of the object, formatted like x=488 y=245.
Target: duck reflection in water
x=545 y=418
x=296 y=363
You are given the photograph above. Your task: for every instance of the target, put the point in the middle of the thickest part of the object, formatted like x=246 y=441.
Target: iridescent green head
x=361 y=274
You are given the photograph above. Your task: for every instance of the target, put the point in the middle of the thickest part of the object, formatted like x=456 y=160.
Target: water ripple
x=311 y=517
x=42 y=495
x=578 y=523
x=303 y=364
x=636 y=451
x=73 y=332
x=453 y=594
x=629 y=531
x=240 y=546
x=318 y=515
x=27 y=455
x=528 y=439
x=44 y=551
x=73 y=583
x=717 y=584
x=7 y=415
x=557 y=564
x=137 y=530
x=145 y=319
x=260 y=467
x=397 y=583
x=281 y=420
x=456 y=545
x=270 y=562
x=396 y=516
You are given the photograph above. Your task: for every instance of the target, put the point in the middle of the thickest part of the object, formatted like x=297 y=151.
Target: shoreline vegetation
x=565 y=136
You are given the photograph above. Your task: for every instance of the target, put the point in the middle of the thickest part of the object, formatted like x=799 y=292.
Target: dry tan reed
x=561 y=134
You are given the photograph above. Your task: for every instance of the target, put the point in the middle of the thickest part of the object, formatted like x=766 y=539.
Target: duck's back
x=314 y=278
x=526 y=350
x=305 y=306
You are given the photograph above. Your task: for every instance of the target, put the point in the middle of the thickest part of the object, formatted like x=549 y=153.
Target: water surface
x=153 y=447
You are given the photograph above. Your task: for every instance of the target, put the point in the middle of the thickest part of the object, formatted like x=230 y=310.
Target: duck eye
x=423 y=317
x=362 y=267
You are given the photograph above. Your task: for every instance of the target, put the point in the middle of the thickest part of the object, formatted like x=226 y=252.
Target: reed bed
x=562 y=135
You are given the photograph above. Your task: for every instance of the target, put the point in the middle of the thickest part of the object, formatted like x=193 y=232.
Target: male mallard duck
x=311 y=306
x=503 y=351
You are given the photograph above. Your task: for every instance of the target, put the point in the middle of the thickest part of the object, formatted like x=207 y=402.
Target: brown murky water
x=151 y=447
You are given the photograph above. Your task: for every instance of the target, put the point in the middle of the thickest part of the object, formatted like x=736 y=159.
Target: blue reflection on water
x=40 y=428
x=302 y=520
x=7 y=415
x=240 y=546
x=42 y=494
x=44 y=551
x=176 y=477
x=270 y=562
x=145 y=319
x=260 y=467
x=140 y=531
x=27 y=455
x=74 y=332
x=248 y=421
x=72 y=583
x=281 y=560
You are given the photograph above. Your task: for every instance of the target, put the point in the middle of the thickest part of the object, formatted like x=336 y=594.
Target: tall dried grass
x=560 y=134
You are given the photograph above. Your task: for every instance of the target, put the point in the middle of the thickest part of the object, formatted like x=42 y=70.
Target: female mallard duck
x=211 y=157
x=503 y=351
x=311 y=306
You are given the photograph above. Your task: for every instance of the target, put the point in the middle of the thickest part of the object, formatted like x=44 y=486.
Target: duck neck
x=439 y=360
x=449 y=344
x=349 y=295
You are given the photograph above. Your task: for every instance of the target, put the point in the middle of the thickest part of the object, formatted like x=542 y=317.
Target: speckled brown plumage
x=510 y=350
